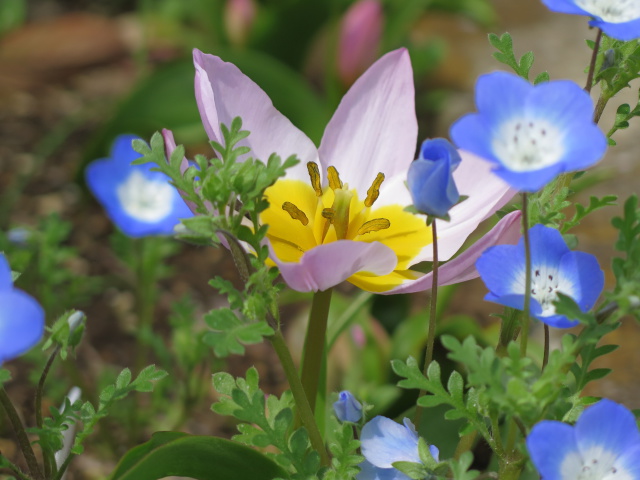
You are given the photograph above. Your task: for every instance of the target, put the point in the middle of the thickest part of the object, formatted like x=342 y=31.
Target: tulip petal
x=223 y=92
x=330 y=264
x=374 y=128
x=462 y=268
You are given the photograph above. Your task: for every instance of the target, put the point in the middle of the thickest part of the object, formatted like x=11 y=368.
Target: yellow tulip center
x=302 y=216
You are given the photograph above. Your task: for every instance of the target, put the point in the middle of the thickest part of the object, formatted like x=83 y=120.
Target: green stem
x=48 y=456
x=524 y=339
x=304 y=410
x=64 y=466
x=21 y=434
x=509 y=331
x=601 y=103
x=545 y=356
x=147 y=258
x=314 y=344
x=345 y=319
x=431 y=335
x=592 y=65
x=14 y=468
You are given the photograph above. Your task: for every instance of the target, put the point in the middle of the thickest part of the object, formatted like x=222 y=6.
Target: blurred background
x=74 y=74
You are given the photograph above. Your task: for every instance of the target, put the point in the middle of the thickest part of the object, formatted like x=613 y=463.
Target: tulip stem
x=304 y=410
x=314 y=345
x=431 y=335
x=527 y=279
x=21 y=434
x=592 y=65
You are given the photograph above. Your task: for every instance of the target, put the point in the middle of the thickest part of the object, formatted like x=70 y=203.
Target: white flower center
x=526 y=144
x=144 y=199
x=546 y=282
x=612 y=11
x=596 y=464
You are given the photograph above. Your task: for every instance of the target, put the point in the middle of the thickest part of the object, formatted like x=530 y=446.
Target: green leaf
x=198 y=457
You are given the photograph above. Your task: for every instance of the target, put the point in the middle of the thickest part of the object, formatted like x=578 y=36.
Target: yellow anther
x=374 y=225
x=334 y=178
x=328 y=213
x=374 y=190
x=314 y=174
x=295 y=213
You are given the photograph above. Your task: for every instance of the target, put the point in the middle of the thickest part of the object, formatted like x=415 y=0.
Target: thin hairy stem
x=545 y=356
x=431 y=335
x=48 y=456
x=524 y=339
x=21 y=434
x=592 y=65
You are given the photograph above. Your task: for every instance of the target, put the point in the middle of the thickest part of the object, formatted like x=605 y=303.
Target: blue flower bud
x=347 y=408
x=430 y=178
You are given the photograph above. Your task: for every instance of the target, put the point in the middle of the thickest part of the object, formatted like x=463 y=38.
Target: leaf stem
x=21 y=434
x=314 y=344
x=48 y=456
x=592 y=65
x=304 y=410
x=527 y=281
x=431 y=335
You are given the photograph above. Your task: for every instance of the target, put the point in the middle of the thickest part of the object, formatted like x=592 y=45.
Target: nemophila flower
x=21 y=317
x=604 y=444
x=430 y=177
x=347 y=408
x=554 y=268
x=530 y=133
x=617 y=18
x=139 y=201
x=384 y=442
x=339 y=215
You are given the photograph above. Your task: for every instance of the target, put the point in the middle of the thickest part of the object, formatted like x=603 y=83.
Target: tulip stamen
x=295 y=213
x=374 y=225
x=374 y=190
x=314 y=175
x=334 y=179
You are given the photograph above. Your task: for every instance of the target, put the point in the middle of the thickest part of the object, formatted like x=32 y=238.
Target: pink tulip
x=370 y=240
x=360 y=34
x=238 y=19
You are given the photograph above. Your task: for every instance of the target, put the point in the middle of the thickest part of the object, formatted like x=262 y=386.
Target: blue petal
x=122 y=151
x=347 y=408
x=384 y=442
x=560 y=102
x=516 y=301
x=432 y=187
x=556 y=321
x=472 y=133
x=500 y=97
x=6 y=280
x=607 y=424
x=440 y=148
x=584 y=148
x=547 y=246
x=630 y=462
x=369 y=472
x=565 y=6
x=621 y=31
x=584 y=273
x=529 y=181
x=551 y=444
x=21 y=323
x=502 y=269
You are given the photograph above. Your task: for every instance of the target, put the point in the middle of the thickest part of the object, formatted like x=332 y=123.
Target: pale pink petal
x=374 y=128
x=223 y=92
x=487 y=193
x=462 y=268
x=327 y=265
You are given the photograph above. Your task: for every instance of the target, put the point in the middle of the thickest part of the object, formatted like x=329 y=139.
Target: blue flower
x=139 y=201
x=554 y=268
x=603 y=444
x=21 y=317
x=347 y=408
x=617 y=18
x=384 y=442
x=430 y=178
x=530 y=133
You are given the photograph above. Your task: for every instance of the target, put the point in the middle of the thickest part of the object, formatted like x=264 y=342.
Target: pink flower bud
x=360 y=34
x=238 y=18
